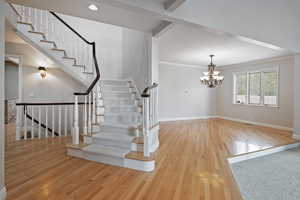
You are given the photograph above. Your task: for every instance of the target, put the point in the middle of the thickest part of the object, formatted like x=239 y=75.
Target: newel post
x=76 y=123
x=19 y=123
x=146 y=125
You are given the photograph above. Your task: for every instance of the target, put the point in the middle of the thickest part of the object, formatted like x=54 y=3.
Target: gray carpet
x=271 y=177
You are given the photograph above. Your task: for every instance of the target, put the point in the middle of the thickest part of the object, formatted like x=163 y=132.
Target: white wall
x=181 y=96
x=136 y=57
x=297 y=97
x=57 y=87
x=282 y=116
x=2 y=94
x=108 y=40
x=11 y=81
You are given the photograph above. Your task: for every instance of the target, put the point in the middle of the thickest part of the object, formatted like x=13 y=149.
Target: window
x=256 y=88
x=241 y=88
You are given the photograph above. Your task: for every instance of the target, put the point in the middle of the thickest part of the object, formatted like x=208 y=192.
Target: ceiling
x=192 y=46
x=107 y=13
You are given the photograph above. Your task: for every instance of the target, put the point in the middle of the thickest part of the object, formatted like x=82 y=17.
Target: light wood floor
x=191 y=164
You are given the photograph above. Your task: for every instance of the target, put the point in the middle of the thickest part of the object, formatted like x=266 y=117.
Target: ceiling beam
x=171 y=5
x=162 y=28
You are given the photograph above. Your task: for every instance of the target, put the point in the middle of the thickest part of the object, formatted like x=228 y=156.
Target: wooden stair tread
x=35 y=32
x=66 y=57
x=138 y=141
x=47 y=41
x=55 y=49
x=135 y=155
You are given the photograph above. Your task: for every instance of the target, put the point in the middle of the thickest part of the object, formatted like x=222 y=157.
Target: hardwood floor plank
x=191 y=164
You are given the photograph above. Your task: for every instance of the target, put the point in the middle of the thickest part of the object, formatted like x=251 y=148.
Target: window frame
x=262 y=94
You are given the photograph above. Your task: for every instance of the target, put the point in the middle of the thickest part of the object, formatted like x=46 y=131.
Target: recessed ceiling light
x=93 y=7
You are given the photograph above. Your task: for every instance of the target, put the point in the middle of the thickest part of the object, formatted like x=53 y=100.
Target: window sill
x=257 y=105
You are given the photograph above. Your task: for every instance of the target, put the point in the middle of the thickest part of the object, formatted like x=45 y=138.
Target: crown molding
x=257 y=62
x=182 y=65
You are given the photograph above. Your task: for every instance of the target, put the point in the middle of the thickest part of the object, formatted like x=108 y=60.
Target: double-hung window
x=256 y=87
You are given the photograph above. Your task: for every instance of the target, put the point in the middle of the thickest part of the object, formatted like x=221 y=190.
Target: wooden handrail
x=49 y=104
x=90 y=88
x=145 y=93
x=37 y=122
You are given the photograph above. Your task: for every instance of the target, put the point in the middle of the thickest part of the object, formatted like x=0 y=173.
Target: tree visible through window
x=258 y=88
x=241 y=88
x=270 y=88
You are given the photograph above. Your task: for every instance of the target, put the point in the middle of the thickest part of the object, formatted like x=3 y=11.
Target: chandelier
x=211 y=78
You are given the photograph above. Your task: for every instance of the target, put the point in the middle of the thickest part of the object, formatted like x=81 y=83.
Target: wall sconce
x=43 y=72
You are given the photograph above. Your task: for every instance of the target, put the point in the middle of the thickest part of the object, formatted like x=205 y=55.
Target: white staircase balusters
x=66 y=121
x=59 y=120
x=76 y=123
x=25 y=123
x=90 y=114
x=85 y=123
x=32 y=122
x=53 y=121
x=146 y=126
x=46 y=129
x=19 y=123
x=40 y=122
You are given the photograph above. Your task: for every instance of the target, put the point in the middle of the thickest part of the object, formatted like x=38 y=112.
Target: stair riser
x=119 y=102
x=120 y=109
x=118 y=95
x=109 y=129
x=46 y=45
x=146 y=166
x=115 y=83
x=122 y=119
x=113 y=143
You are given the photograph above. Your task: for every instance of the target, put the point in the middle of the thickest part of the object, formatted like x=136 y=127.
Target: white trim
x=257 y=123
x=3 y=193
x=296 y=136
x=185 y=118
x=260 y=153
x=256 y=62
x=182 y=65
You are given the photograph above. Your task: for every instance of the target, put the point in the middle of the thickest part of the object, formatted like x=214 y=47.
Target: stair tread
x=121 y=113
x=126 y=126
x=134 y=155
x=106 y=150
x=115 y=136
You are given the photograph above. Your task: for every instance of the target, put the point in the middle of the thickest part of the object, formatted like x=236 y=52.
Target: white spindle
x=76 y=123
x=19 y=122
x=90 y=114
x=59 y=120
x=85 y=128
x=46 y=124
x=66 y=121
x=94 y=106
x=25 y=122
x=53 y=121
x=32 y=122
x=156 y=105
x=40 y=123
x=146 y=126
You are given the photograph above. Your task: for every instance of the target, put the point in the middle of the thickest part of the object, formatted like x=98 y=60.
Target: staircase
x=118 y=140
x=110 y=122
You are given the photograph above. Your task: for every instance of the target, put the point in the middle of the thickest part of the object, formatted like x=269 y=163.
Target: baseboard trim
x=185 y=118
x=257 y=123
x=3 y=193
x=261 y=153
x=296 y=136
